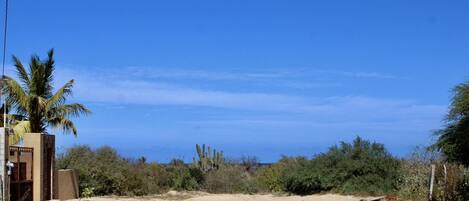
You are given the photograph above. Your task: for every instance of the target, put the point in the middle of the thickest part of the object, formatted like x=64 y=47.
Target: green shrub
x=159 y=177
x=104 y=172
x=415 y=173
x=269 y=178
x=455 y=187
x=109 y=172
x=100 y=172
x=183 y=177
x=230 y=179
x=87 y=192
x=358 y=167
x=302 y=178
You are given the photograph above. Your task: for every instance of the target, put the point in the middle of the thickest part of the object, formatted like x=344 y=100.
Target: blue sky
x=261 y=78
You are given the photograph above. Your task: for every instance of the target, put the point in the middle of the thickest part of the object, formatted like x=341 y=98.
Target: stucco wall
x=67 y=181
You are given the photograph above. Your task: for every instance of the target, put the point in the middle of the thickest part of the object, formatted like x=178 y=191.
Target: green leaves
x=453 y=140
x=60 y=96
x=357 y=167
x=34 y=97
x=459 y=108
x=19 y=129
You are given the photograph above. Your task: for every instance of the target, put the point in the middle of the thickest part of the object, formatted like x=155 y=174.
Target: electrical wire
x=5 y=31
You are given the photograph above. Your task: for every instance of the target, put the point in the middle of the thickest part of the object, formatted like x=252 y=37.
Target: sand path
x=200 y=196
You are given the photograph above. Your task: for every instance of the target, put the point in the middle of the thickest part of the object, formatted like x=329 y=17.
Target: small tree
x=453 y=140
x=358 y=167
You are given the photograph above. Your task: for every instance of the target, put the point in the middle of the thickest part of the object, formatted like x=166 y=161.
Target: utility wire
x=5 y=31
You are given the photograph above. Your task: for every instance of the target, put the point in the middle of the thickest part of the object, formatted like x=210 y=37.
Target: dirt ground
x=200 y=196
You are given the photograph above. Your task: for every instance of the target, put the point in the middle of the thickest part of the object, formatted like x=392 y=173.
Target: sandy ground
x=199 y=196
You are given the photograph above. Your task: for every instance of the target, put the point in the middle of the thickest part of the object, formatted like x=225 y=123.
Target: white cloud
x=369 y=75
x=243 y=75
x=130 y=87
x=281 y=117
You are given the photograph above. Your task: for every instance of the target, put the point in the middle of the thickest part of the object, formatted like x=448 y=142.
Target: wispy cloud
x=227 y=114
x=279 y=74
x=367 y=75
x=133 y=87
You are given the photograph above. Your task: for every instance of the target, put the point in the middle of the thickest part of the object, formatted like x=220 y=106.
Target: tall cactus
x=208 y=159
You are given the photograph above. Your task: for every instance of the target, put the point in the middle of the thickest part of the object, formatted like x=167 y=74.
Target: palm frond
x=64 y=124
x=35 y=101
x=19 y=129
x=16 y=96
x=49 y=66
x=60 y=96
x=35 y=76
x=70 y=110
x=22 y=73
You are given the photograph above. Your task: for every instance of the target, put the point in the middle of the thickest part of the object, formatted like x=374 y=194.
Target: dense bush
x=100 y=171
x=104 y=172
x=269 y=178
x=183 y=177
x=359 y=167
x=456 y=185
x=415 y=173
x=453 y=139
x=230 y=179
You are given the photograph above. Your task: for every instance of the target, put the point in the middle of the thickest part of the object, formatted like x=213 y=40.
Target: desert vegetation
x=360 y=167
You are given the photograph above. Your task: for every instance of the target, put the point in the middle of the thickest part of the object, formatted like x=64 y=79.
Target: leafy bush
x=361 y=167
x=87 y=192
x=104 y=172
x=415 y=173
x=300 y=176
x=183 y=177
x=455 y=186
x=269 y=178
x=358 y=167
x=453 y=139
x=92 y=180
x=230 y=179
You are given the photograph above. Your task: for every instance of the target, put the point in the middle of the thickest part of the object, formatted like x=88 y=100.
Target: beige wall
x=34 y=140
x=67 y=181
x=43 y=157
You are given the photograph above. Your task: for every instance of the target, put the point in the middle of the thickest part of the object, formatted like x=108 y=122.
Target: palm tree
x=34 y=100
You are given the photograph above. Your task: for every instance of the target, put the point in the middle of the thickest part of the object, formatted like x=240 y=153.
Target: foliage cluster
x=35 y=104
x=103 y=172
x=414 y=182
x=453 y=140
x=358 y=167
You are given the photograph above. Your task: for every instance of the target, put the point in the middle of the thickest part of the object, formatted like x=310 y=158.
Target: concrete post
x=43 y=163
x=34 y=140
x=4 y=181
